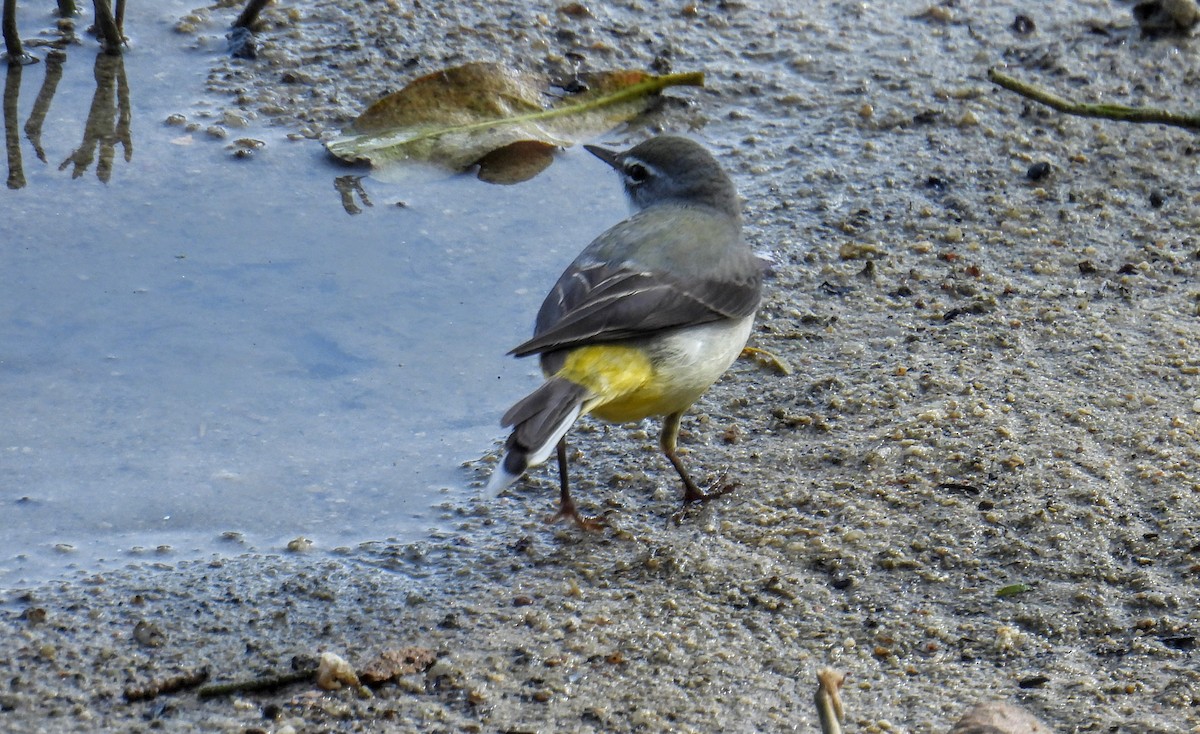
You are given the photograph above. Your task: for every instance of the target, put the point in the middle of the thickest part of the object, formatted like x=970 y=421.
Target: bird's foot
x=693 y=496
x=567 y=510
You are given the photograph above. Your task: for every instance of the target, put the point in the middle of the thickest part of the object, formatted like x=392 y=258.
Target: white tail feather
x=502 y=479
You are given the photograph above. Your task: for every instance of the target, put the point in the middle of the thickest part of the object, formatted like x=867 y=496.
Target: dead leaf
x=767 y=359
x=391 y=664
x=456 y=117
x=516 y=162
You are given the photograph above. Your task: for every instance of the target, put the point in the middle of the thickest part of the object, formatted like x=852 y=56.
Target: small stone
x=575 y=10
x=1023 y=25
x=333 y=672
x=996 y=716
x=148 y=634
x=1157 y=200
x=1166 y=17
x=938 y=14
x=235 y=119
x=34 y=615
x=299 y=544
x=1038 y=171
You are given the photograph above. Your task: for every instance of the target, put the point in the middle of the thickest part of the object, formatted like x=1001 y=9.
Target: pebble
x=1038 y=171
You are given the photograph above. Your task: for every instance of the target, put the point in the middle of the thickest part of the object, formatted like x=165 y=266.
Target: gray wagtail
x=648 y=316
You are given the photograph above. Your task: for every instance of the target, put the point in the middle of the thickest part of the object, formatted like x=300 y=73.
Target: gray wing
x=601 y=302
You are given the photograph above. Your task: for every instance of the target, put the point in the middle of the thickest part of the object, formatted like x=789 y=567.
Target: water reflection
x=351 y=188
x=12 y=142
x=41 y=106
x=108 y=122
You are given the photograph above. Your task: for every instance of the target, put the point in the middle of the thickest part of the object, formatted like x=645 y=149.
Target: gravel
x=980 y=479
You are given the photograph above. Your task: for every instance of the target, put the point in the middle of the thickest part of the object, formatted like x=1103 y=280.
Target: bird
x=644 y=320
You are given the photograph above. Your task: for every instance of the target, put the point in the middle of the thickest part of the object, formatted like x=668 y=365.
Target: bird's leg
x=691 y=493
x=566 y=505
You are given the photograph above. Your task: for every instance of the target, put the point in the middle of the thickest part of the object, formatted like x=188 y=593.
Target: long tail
x=539 y=421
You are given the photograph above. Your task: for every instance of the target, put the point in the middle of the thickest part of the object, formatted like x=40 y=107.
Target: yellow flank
x=623 y=381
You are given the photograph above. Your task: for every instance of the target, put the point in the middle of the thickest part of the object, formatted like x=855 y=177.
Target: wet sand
x=979 y=481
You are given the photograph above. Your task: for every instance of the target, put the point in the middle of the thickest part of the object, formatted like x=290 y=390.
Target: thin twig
x=263 y=683
x=250 y=14
x=12 y=39
x=163 y=686
x=829 y=700
x=106 y=28
x=1117 y=112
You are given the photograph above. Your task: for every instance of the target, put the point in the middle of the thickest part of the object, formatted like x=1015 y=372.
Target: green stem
x=1120 y=113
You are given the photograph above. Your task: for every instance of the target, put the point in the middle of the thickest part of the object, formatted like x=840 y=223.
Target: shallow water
x=204 y=345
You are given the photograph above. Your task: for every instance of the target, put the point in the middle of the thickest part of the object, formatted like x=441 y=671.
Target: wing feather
x=600 y=302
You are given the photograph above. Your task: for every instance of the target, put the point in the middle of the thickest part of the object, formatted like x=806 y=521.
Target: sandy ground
x=980 y=481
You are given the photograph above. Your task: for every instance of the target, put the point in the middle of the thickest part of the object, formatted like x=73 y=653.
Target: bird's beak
x=611 y=157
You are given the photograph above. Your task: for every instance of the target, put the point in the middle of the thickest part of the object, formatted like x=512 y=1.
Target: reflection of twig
x=829 y=700
x=348 y=186
x=102 y=131
x=1117 y=112
x=67 y=9
x=41 y=105
x=124 y=113
x=12 y=138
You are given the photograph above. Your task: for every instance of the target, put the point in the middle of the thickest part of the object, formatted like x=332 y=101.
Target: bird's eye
x=636 y=172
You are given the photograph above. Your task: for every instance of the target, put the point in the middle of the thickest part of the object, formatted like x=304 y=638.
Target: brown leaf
x=456 y=118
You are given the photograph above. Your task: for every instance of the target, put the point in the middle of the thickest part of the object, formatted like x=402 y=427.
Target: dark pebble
x=1157 y=200
x=1180 y=642
x=841 y=581
x=1038 y=171
x=1023 y=25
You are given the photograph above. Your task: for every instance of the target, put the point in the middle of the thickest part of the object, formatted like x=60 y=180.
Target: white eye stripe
x=636 y=171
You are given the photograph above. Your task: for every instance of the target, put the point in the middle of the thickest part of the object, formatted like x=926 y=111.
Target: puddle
x=196 y=345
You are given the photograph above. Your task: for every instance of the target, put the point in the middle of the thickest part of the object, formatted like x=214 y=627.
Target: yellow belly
x=633 y=380
x=622 y=380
